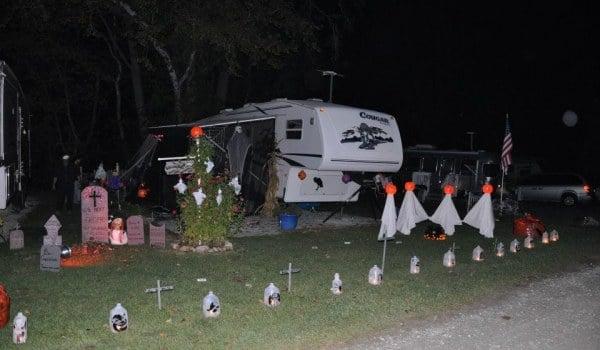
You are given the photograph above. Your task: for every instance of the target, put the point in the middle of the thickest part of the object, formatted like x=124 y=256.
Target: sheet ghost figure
x=481 y=216
x=388 y=218
x=446 y=215
x=411 y=211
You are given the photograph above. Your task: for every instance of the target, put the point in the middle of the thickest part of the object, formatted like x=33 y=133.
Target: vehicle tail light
x=586 y=188
x=302 y=175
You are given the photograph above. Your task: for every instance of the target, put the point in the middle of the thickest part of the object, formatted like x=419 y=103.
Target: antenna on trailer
x=331 y=74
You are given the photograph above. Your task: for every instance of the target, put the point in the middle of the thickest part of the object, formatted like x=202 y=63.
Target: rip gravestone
x=50 y=258
x=135 y=230
x=94 y=214
x=17 y=239
x=52 y=237
x=157 y=236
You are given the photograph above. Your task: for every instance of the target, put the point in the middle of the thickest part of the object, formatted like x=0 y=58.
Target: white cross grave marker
x=157 y=290
x=289 y=272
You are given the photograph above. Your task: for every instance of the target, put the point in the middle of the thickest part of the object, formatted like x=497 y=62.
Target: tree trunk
x=67 y=95
x=92 y=124
x=223 y=85
x=138 y=89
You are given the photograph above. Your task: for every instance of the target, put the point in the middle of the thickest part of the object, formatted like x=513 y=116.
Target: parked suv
x=568 y=189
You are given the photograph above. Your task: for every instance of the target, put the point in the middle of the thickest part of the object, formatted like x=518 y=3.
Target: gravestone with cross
x=52 y=237
x=135 y=230
x=94 y=214
x=157 y=235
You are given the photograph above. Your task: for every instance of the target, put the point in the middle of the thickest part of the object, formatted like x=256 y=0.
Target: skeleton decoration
x=235 y=183
x=19 y=334
x=180 y=187
x=449 y=258
x=199 y=197
x=375 y=275
x=553 y=236
x=477 y=253
x=209 y=165
x=211 y=307
x=219 y=197
x=545 y=238
x=118 y=319
x=118 y=236
x=415 y=266
x=272 y=296
x=528 y=242
x=500 y=250
x=336 y=284
x=515 y=246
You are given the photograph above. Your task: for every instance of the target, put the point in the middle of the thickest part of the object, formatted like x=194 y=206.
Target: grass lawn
x=69 y=310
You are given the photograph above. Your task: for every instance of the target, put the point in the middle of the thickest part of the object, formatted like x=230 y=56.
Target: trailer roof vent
x=226 y=110
x=279 y=99
x=315 y=99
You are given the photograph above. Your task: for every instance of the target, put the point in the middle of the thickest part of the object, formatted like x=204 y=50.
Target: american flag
x=507 y=147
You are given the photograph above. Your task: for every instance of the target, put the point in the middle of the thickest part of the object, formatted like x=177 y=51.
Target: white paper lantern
x=515 y=246
x=272 y=296
x=553 y=235
x=19 y=334
x=500 y=250
x=118 y=319
x=569 y=118
x=477 y=253
x=375 y=275
x=199 y=197
x=219 y=197
x=528 y=242
x=415 y=266
x=336 y=284
x=180 y=186
x=211 y=307
x=449 y=258
x=545 y=239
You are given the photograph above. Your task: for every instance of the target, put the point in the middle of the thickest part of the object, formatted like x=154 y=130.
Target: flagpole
x=385 y=239
x=502 y=180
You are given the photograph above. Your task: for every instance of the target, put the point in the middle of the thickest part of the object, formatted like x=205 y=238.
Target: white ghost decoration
x=209 y=165
x=199 y=196
x=446 y=215
x=180 y=187
x=219 y=196
x=411 y=212
x=388 y=218
x=481 y=216
x=235 y=183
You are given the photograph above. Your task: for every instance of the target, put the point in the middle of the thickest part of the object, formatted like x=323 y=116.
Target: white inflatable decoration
x=446 y=215
x=528 y=242
x=219 y=198
x=388 y=218
x=411 y=211
x=553 y=235
x=570 y=118
x=209 y=165
x=500 y=250
x=272 y=296
x=199 y=197
x=375 y=275
x=211 y=307
x=180 y=186
x=481 y=216
x=515 y=246
x=235 y=183
x=477 y=254
x=449 y=258
x=336 y=284
x=415 y=267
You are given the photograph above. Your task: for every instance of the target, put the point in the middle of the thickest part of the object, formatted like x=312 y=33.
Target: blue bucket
x=288 y=222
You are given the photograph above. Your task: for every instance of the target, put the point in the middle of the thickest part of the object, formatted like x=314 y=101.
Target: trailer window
x=294 y=129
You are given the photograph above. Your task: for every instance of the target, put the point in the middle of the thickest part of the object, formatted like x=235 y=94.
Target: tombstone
x=157 y=236
x=50 y=258
x=52 y=237
x=135 y=230
x=94 y=214
x=17 y=239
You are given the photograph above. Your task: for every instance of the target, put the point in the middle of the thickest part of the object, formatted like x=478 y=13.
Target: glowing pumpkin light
x=196 y=132
x=409 y=186
x=487 y=188
x=448 y=189
x=143 y=192
x=390 y=188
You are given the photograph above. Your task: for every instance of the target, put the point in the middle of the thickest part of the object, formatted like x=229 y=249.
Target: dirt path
x=556 y=313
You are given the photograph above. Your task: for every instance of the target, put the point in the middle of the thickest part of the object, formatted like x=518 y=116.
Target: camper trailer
x=324 y=150
x=14 y=138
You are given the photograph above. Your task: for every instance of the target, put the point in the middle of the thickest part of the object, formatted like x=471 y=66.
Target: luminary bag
x=272 y=296
x=415 y=266
x=515 y=246
x=211 y=307
x=118 y=319
x=449 y=258
x=477 y=253
x=500 y=250
x=375 y=275
x=528 y=242
x=20 y=329
x=336 y=284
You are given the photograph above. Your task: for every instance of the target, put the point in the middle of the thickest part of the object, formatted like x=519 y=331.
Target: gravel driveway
x=556 y=313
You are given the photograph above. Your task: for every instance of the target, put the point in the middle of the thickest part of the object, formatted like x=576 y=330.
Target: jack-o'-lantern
x=487 y=188
x=196 y=132
x=143 y=192
x=390 y=188
x=4 y=307
x=409 y=186
x=448 y=189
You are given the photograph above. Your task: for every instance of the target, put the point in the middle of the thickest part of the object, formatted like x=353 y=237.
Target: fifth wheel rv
x=324 y=149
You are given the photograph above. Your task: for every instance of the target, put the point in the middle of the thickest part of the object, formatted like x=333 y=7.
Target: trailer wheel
x=253 y=186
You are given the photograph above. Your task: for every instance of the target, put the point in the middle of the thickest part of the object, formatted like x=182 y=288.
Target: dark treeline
x=97 y=73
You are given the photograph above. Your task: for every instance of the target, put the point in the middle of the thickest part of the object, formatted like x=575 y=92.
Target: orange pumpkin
x=196 y=132
x=409 y=186
x=4 y=307
x=448 y=189
x=487 y=188
x=142 y=192
x=390 y=188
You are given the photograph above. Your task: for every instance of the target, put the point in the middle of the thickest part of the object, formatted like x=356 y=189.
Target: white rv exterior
x=319 y=142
